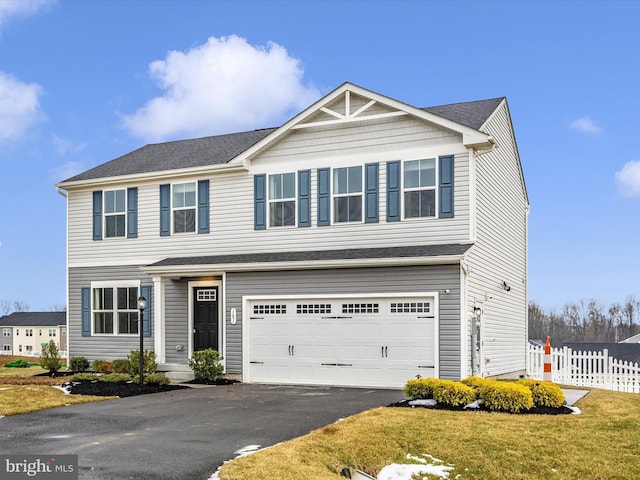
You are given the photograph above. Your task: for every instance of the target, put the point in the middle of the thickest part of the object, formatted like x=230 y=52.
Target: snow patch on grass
x=427 y=465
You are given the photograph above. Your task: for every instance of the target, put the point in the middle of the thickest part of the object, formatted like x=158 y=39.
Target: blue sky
x=83 y=82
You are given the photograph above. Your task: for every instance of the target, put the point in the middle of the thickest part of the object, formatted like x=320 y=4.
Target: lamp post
x=142 y=304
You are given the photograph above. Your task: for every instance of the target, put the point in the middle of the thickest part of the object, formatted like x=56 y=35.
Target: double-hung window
x=29 y=332
x=420 y=188
x=6 y=332
x=115 y=310
x=282 y=199
x=52 y=332
x=115 y=213
x=184 y=207
x=347 y=194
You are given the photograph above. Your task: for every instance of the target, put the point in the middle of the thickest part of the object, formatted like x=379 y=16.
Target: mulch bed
x=564 y=410
x=129 y=389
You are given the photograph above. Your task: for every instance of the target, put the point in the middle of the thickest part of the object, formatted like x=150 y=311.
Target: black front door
x=205 y=318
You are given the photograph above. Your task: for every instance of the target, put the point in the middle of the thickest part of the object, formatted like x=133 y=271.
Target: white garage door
x=341 y=341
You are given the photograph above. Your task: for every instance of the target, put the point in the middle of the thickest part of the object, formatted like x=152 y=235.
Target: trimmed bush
x=545 y=394
x=206 y=365
x=115 y=378
x=154 y=378
x=17 y=363
x=83 y=377
x=455 y=394
x=149 y=359
x=79 y=364
x=421 y=388
x=122 y=365
x=506 y=397
x=50 y=357
x=102 y=366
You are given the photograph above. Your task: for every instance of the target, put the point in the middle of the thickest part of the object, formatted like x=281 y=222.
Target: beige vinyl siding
x=499 y=253
x=353 y=281
x=104 y=347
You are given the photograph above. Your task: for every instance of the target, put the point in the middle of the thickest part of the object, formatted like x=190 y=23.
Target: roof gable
x=346 y=104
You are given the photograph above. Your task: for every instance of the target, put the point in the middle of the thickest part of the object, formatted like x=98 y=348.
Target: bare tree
x=629 y=313
x=59 y=308
x=19 y=306
x=5 y=307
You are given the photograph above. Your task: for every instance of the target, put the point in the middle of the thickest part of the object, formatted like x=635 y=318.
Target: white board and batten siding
x=500 y=253
x=232 y=209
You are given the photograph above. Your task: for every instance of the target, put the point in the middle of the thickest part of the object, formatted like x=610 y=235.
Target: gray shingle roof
x=221 y=149
x=158 y=157
x=320 y=255
x=34 y=319
x=470 y=114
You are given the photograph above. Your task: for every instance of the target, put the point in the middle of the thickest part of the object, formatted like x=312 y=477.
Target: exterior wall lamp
x=142 y=304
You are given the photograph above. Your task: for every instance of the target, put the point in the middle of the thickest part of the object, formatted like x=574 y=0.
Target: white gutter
x=61 y=191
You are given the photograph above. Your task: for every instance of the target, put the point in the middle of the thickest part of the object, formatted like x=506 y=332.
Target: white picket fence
x=585 y=369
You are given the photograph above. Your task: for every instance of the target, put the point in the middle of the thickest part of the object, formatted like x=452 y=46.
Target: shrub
x=506 y=397
x=206 y=365
x=421 y=387
x=102 y=366
x=79 y=364
x=477 y=382
x=17 y=363
x=115 y=377
x=155 y=378
x=456 y=394
x=50 y=357
x=121 y=365
x=83 y=377
x=149 y=359
x=545 y=394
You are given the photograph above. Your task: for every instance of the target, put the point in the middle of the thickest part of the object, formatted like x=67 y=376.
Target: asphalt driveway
x=185 y=434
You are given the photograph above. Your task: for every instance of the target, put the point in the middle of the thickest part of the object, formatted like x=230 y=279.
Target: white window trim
x=335 y=195
x=194 y=208
x=105 y=214
x=6 y=332
x=418 y=189
x=112 y=284
x=280 y=200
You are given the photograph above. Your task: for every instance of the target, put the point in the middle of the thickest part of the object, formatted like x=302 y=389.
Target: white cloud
x=11 y=8
x=68 y=170
x=19 y=107
x=628 y=179
x=224 y=85
x=585 y=125
x=64 y=147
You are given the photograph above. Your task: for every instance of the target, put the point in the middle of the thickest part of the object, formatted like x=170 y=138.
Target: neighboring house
x=25 y=333
x=633 y=339
x=624 y=352
x=354 y=245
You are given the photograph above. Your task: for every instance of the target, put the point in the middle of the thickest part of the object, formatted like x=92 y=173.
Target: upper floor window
x=115 y=310
x=282 y=199
x=115 y=213
x=29 y=332
x=52 y=332
x=184 y=207
x=6 y=332
x=420 y=188
x=347 y=194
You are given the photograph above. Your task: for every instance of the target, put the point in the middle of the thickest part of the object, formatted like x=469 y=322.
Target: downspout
x=61 y=192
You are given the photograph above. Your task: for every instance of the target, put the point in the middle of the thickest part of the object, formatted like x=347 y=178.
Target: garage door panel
x=351 y=342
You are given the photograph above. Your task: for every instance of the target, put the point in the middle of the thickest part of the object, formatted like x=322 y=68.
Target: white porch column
x=158 y=319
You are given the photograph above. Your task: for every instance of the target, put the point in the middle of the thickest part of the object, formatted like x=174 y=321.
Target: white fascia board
x=175 y=271
x=471 y=138
x=160 y=175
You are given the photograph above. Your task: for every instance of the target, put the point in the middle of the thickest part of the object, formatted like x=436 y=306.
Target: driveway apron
x=183 y=434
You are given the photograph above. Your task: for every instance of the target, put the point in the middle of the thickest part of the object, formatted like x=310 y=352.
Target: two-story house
x=362 y=243
x=25 y=333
